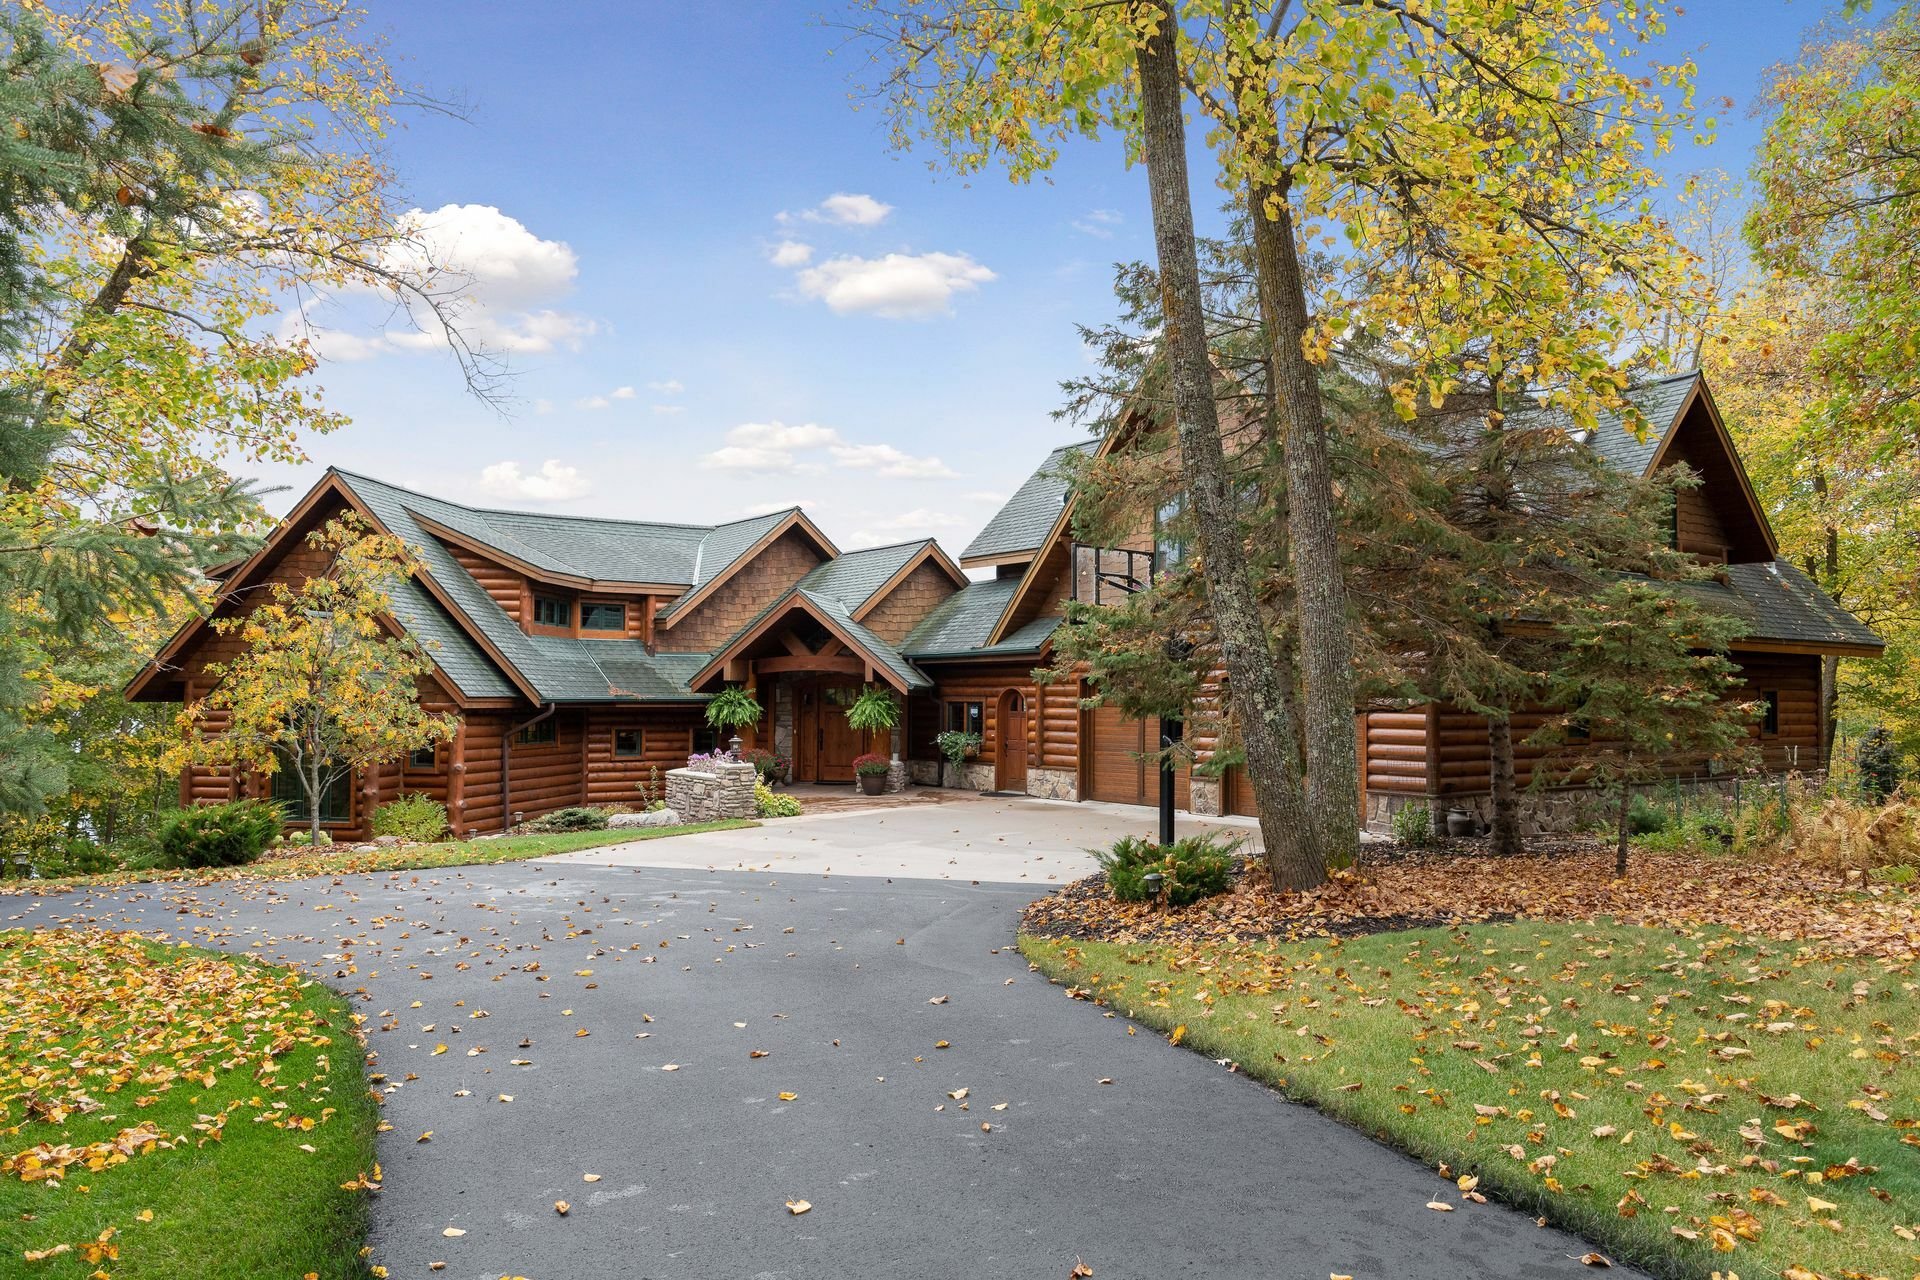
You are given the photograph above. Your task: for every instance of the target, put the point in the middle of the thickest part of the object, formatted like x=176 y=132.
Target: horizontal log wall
x=1053 y=713
x=666 y=739
x=508 y=587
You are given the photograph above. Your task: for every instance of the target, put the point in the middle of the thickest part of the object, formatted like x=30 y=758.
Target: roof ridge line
x=537 y=515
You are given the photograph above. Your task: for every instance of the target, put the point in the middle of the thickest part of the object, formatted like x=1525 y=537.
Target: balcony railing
x=1108 y=575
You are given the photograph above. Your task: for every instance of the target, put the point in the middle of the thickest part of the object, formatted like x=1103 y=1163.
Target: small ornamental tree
x=323 y=686
x=1642 y=684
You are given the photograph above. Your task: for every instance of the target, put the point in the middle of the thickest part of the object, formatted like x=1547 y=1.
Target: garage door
x=1236 y=795
x=1117 y=768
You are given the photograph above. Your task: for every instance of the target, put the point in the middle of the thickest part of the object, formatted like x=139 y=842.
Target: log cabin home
x=577 y=652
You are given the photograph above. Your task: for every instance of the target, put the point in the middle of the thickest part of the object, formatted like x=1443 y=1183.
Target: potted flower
x=871 y=769
x=876 y=710
x=771 y=765
x=958 y=746
x=733 y=708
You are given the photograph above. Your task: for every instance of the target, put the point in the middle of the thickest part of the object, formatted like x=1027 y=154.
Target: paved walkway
x=1074 y=1139
x=970 y=838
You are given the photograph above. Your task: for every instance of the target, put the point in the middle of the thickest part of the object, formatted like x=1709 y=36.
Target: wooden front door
x=824 y=743
x=1010 y=755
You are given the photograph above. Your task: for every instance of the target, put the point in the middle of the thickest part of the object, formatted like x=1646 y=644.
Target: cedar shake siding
x=769 y=602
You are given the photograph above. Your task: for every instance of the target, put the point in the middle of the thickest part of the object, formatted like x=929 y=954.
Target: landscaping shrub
x=415 y=817
x=304 y=839
x=1413 y=826
x=872 y=764
x=771 y=765
x=224 y=835
x=1706 y=828
x=1645 y=816
x=571 y=819
x=1878 y=760
x=769 y=803
x=1192 y=868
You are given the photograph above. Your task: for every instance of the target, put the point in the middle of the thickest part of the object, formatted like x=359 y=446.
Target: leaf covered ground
x=1767 y=899
x=1692 y=1102
x=298 y=864
x=157 y=1099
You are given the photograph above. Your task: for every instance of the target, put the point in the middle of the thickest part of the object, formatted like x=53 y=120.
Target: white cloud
x=668 y=408
x=671 y=387
x=920 y=522
x=768 y=508
x=890 y=462
x=1099 y=223
x=543 y=406
x=900 y=286
x=846 y=208
x=777 y=446
x=790 y=253
x=605 y=401
x=555 y=481
x=493 y=279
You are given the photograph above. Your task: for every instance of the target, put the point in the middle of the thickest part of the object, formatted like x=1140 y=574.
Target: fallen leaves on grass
x=94 y=1020
x=1776 y=900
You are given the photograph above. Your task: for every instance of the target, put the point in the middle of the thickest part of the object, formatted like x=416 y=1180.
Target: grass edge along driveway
x=299 y=864
x=169 y=1111
x=1691 y=1102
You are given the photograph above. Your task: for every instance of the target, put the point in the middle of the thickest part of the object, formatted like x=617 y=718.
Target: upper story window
x=600 y=615
x=1169 y=542
x=541 y=731
x=552 y=611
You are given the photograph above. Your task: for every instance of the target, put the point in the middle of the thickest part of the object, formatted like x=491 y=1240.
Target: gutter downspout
x=506 y=764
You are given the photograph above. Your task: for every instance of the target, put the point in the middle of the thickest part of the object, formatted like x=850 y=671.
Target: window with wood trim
x=553 y=611
x=336 y=802
x=626 y=744
x=603 y=615
x=536 y=734
x=1770 y=713
x=424 y=758
x=967 y=717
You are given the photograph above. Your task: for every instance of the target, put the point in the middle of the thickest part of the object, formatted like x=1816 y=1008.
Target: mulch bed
x=1571 y=880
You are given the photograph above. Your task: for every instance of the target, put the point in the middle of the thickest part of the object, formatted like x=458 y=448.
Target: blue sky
x=624 y=177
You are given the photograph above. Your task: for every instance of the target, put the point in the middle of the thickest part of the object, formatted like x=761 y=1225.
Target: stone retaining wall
x=702 y=795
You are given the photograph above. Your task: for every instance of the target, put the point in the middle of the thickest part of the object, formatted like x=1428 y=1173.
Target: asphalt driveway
x=645 y=1024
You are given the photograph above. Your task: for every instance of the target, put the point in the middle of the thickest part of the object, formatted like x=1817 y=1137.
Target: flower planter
x=873 y=784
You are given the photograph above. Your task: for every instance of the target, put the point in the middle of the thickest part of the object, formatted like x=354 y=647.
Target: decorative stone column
x=711 y=794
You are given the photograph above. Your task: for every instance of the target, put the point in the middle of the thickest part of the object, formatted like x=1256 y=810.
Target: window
x=602 y=616
x=535 y=734
x=626 y=744
x=706 y=740
x=1770 y=713
x=552 y=611
x=1169 y=545
x=336 y=803
x=966 y=717
x=423 y=758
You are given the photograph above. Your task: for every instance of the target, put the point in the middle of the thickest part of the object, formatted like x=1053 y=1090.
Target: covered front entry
x=824 y=745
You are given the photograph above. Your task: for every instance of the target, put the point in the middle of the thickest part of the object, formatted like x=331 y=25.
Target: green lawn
x=1689 y=1101
x=295 y=864
x=234 y=1090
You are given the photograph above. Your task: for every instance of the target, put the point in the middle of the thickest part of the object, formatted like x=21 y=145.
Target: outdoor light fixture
x=1154 y=882
x=518 y=817
x=733 y=746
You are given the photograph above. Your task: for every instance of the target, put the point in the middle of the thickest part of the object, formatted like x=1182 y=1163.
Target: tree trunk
x=313 y=803
x=1620 y=847
x=1254 y=683
x=1320 y=594
x=1506 y=797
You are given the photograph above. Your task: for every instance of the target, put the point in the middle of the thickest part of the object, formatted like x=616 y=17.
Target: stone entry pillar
x=709 y=795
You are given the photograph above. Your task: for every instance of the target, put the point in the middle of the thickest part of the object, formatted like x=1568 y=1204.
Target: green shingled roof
x=1778 y=602
x=559 y=669
x=878 y=649
x=1029 y=515
x=960 y=625
x=1613 y=439
x=854 y=576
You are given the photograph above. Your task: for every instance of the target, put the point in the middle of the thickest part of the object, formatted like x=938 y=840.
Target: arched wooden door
x=1010 y=757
